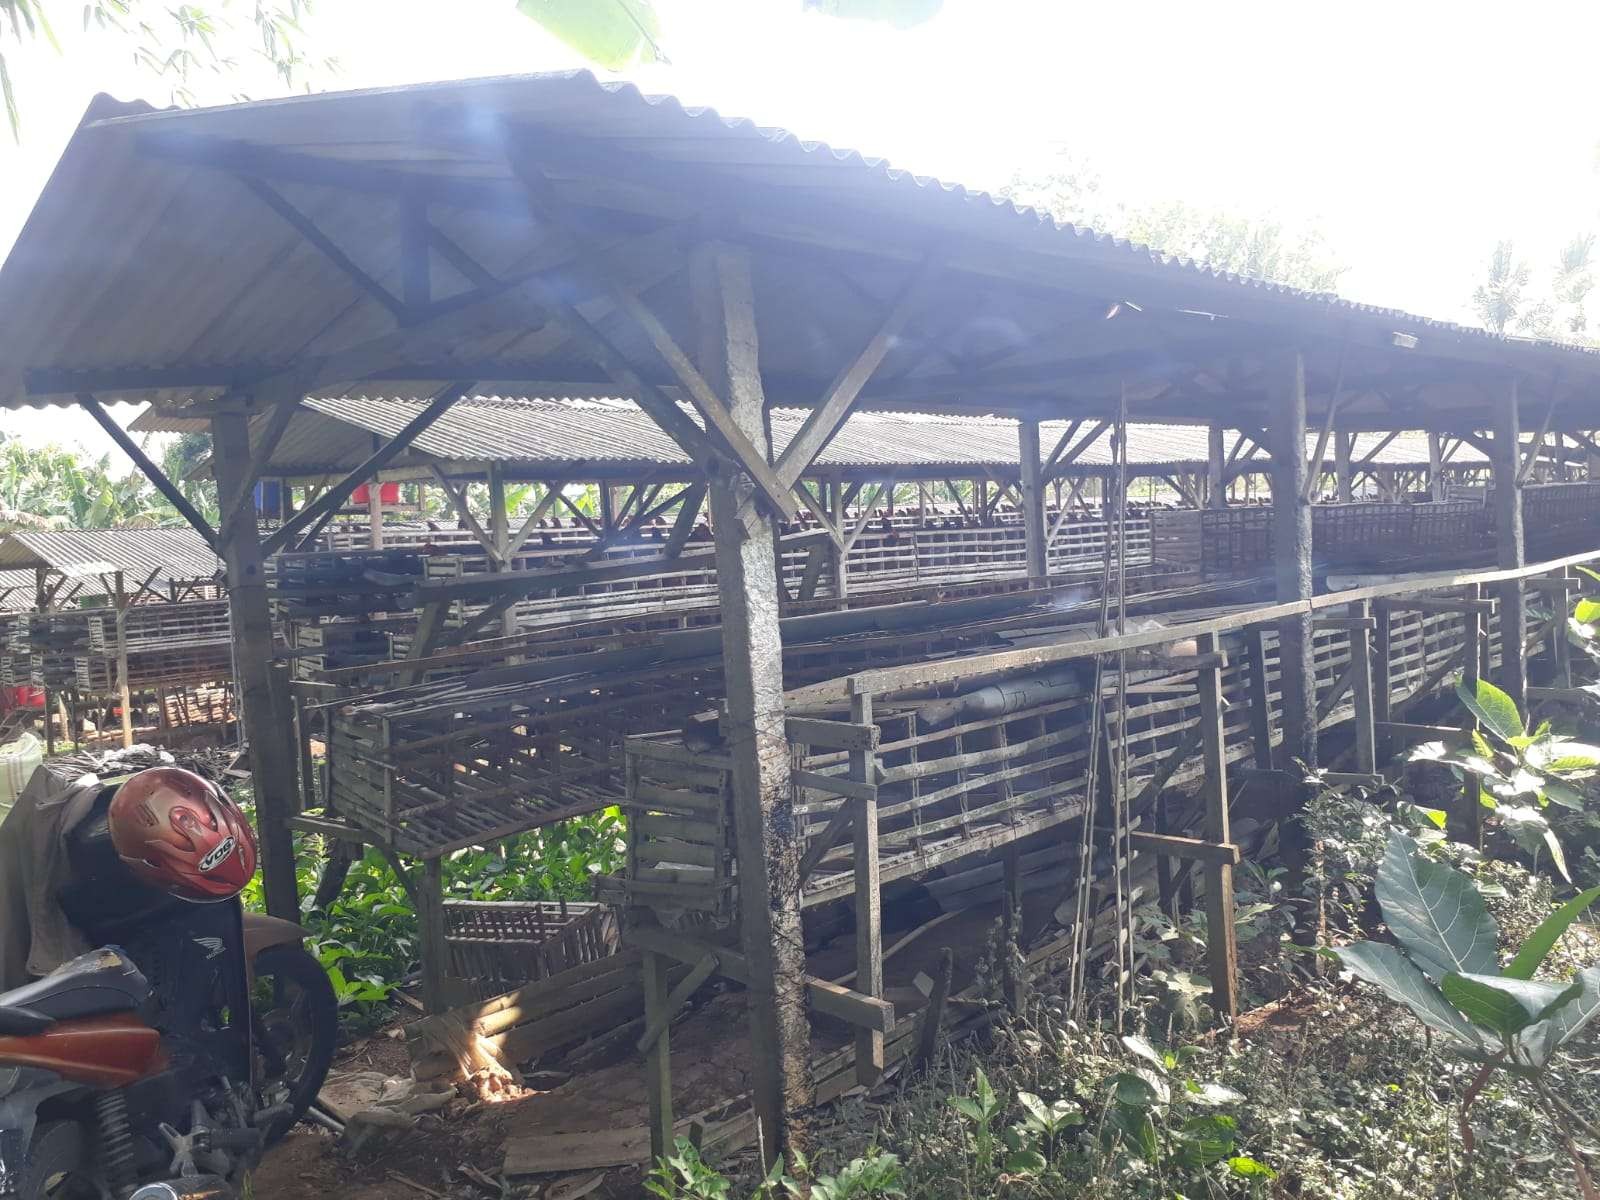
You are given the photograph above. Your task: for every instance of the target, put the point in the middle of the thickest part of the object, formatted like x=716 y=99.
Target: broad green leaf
x=1481 y=744
x=1144 y=1050
x=1386 y=968
x=1136 y=1091
x=1543 y=939
x=1249 y=1168
x=902 y=14
x=1590 y=572
x=1558 y=791
x=1214 y=1093
x=1435 y=912
x=1206 y=1140
x=1134 y=1126
x=1506 y=1006
x=610 y=33
x=1565 y=756
x=1521 y=782
x=1025 y=1162
x=1529 y=829
x=1567 y=1021
x=1587 y=611
x=1493 y=707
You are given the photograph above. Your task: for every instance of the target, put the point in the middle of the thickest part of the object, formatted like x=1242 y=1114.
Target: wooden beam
x=336 y=494
x=1071 y=456
x=283 y=411
x=833 y=408
x=1222 y=951
x=458 y=501
x=1537 y=445
x=1035 y=535
x=153 y=473
x=868 y=894
x=1195 y=849
x=1319 y=455
x=307 y=229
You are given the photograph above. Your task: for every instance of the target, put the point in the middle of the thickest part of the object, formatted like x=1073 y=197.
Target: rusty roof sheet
x=161 y=554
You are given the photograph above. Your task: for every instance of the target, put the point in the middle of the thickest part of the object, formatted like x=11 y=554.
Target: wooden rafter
x=153 y=473
x=458 y=501
x=338 y=493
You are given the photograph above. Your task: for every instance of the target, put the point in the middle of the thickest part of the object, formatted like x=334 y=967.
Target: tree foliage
x=1261 y=247
x=57 y=487
x=616 y=34
x=1508 y=302
x=176 y=42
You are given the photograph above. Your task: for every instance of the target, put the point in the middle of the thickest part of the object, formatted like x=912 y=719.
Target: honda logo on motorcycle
x=218 y=856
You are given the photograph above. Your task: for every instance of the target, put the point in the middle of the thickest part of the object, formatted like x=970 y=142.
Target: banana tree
x=1446 y=970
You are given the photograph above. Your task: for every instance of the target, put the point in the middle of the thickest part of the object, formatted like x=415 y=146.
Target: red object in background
x=389 y=493
x=24 y=697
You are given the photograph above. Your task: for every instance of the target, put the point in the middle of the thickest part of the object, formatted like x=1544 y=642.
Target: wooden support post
x=1012 y=983
x=500 y=538
x=1467 y=822
x=869 y=905
x=1361 y=688
x=434 y=950
x=1216 y=480
x=769 y=842
x=1509 y=548
x=658 y=1055
x=933 y=1015
x=272 y=762
x=1260 y=698
x=1032 y=499
x=840 y=551
x=1382 y=679
x=1291 y=528
x=1222 y=952
x=124 y=695
x=1436 y=466
x=1341 y=464
x=1560 y=647
x=374 y=513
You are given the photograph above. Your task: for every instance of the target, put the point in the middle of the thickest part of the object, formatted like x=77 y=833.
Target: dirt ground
x=710 y=1066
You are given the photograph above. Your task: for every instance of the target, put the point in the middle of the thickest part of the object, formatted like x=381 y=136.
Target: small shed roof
x=542 y=438
x=162 y=554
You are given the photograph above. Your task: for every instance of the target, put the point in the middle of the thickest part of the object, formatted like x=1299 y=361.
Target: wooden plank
x=868 y=898
x=656 y=1026
x=1436 y=604
x=1407 y=730
x=1222 y=951
x=1260 y=698
x=1194 y=849
x=153 y=473
x=656 y=1046
x=832 y=735
x=1506 y=499
x=837 y=785
x=1361 y=687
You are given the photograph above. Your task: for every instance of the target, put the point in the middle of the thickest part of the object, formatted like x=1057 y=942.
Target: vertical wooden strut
x=768 y=839
x=272 y=759
x=1032 y=499
x=1436 y=466
x=1216 y=479
x=1291 y=536
x=869 y=907
x=1222 y=951
x=1341 y=464
x=1509 y=548
x=658 y=1056
x=1466 y=823
x=1361 y=690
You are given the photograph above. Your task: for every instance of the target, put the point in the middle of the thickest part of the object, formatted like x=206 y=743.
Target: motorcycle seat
x=91 y=985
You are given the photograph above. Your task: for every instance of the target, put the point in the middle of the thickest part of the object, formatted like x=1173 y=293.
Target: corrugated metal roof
x=144 y=253
x=560 y=436
x=166 y=553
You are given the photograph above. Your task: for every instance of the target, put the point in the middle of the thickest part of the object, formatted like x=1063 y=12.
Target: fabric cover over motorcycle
x=35 y=935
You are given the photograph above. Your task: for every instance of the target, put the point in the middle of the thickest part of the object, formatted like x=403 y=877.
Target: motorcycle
x=160 y=1066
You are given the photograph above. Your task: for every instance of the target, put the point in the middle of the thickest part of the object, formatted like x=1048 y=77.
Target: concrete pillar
x=769 y=839
x=272 y=759
x=1509 y=547
x=1032 y=499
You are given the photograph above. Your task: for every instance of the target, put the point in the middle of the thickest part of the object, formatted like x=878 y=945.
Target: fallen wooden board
x=547 y=1153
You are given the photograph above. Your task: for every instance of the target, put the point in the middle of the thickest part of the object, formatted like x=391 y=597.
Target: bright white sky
x=1415 y=135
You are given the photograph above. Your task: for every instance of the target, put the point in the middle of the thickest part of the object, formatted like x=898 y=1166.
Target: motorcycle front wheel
x=296 y=1028
x=58 y=1165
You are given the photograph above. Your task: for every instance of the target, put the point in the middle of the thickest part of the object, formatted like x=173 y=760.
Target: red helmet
x=178 y=833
